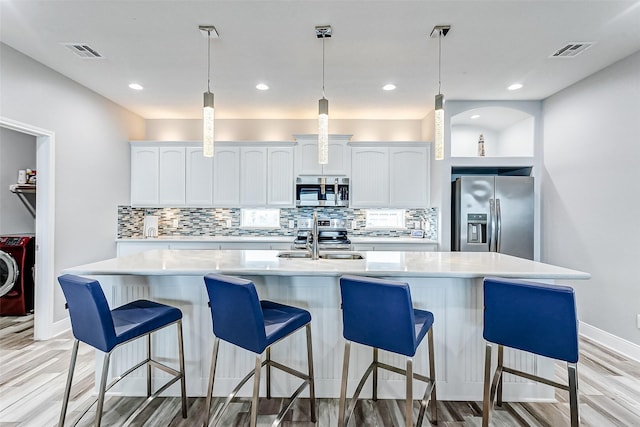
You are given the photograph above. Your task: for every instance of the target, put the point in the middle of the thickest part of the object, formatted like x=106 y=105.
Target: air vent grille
x=572 y=49
x=83 y=50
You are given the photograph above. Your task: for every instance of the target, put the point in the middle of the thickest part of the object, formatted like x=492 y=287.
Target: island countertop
x=375 y=263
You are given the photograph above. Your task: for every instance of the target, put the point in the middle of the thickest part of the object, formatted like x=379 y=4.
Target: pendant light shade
x=208 y=109
x=208 y=127
x=440 y=31
x=323 y=32
x=323 y=131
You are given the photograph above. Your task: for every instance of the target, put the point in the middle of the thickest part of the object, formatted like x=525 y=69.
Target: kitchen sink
x=323 y=255
x=341 y=255
x=294 y=254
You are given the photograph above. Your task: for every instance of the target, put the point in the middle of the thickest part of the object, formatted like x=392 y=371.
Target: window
x=260 y=218
x=385 y=218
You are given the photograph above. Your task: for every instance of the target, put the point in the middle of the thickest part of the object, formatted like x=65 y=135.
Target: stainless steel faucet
x=313 y=236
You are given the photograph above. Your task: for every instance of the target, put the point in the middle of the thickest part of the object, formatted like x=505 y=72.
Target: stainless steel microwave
x=322 y=191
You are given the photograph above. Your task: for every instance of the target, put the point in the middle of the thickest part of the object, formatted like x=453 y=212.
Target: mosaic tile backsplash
x=226 y=222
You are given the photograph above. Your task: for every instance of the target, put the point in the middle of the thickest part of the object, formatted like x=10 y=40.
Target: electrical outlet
x=228 y=223
x=175 y=223
x=292 y=223
x=638 y=321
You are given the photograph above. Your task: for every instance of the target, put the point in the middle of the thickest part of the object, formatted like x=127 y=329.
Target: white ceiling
x=158 y=44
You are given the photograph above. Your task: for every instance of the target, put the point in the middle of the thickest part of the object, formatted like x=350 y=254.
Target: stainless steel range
x=332 y=234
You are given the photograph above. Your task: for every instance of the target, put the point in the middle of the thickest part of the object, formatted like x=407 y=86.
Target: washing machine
x=17 y=259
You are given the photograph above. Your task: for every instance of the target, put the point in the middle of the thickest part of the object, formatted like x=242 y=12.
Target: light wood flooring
x=33 y=375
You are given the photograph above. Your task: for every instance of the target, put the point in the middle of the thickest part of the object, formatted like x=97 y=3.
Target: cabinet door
x=369 y=177
x=172 y=176
x=339 y=158
x=226 y=177
x=199 y=184
x=253 y=176
x=409 y=177
x=280 y=176
x=145 y=174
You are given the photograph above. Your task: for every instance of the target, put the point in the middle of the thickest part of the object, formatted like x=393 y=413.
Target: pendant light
x=323 y=32
x=208 y=110
x=441 y=31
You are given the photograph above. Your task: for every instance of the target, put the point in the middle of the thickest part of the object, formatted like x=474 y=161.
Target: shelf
x=22 y=190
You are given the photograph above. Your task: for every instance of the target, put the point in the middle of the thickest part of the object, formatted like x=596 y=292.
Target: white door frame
x=44 y=325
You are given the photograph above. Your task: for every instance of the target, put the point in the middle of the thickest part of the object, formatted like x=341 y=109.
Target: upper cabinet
x=394 y=174
x=307 y=156
x=240 y=174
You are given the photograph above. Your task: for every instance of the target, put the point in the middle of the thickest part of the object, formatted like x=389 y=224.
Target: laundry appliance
x=17 y=259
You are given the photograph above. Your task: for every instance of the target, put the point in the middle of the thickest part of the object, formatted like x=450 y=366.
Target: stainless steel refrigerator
x=493 y=214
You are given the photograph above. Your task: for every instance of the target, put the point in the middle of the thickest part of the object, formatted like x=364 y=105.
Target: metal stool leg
x=212 y=372
x=500 y=366
x=312 y=387
x=183 y=380
x=343 y=386
x=574 y=402
x=375 y=374
x=409 y=398
x=67 y=389
x=268 y=372
x=103 y=386
x=486 y=397
x=148 y=365
x=256 y=392
x=432 y=376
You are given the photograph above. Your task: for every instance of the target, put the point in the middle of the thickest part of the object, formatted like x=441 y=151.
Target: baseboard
x=59 y=327
x=611 y=341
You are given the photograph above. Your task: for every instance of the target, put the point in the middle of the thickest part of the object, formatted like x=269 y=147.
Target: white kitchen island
x=447 y=283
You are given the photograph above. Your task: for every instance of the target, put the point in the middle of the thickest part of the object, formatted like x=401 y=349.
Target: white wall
x=591 y=193
x=91 y=156
x=283 y=130
x=464 y=141
x=17 y=151
x=516 y=140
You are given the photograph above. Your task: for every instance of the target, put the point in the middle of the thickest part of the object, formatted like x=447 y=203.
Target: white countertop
x=378 y=263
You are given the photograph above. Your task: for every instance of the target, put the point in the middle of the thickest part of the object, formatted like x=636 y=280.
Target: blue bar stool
x=240 y=318
x=533 y=317
x=379 y=313
x=95 y=324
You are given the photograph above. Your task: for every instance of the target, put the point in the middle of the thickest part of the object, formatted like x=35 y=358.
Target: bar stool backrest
x=378 y=313
x=236 y=312
x=534 y=317
x=91 y=319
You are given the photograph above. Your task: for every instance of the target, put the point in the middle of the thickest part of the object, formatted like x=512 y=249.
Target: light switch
x=292 y=223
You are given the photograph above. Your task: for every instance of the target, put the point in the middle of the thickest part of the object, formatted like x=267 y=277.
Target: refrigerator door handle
x=498 y=226
x=490 y=231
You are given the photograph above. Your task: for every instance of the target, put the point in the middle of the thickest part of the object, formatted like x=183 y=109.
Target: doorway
x=44 y=325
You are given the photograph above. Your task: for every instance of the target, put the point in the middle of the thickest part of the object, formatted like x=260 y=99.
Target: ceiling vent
x=572 y=49
x=83 y=51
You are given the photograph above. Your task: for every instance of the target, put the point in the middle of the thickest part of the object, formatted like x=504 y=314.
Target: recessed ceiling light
x=389 y=86
x=262 y=86
x=136 y=86
x=515 y=86
x=475 y=116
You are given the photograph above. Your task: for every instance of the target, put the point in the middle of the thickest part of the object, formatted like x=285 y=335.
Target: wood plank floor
x=33 y=375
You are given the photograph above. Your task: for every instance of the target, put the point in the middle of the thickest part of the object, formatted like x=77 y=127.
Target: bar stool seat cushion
x=367 y=322
x=248 y=322
x=95 y=324
x=534 y=317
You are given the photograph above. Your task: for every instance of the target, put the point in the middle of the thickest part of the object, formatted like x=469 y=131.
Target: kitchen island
x=447 y=283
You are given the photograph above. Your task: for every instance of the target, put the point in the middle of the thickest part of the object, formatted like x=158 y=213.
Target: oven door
x=8 y=273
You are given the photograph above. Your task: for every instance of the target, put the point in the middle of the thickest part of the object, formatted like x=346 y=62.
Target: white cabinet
x=144 y=176
x=409 y=176
x=253 y=176
x=199 y=178
x=226 y=176
x=307 y=156
x=172 y=176
x=390 y=175
x=280 y=176
x=369 y=177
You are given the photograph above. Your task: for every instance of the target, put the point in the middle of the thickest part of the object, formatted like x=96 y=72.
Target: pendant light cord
x=323 y=37
x=439 y=58
x=208 y=60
